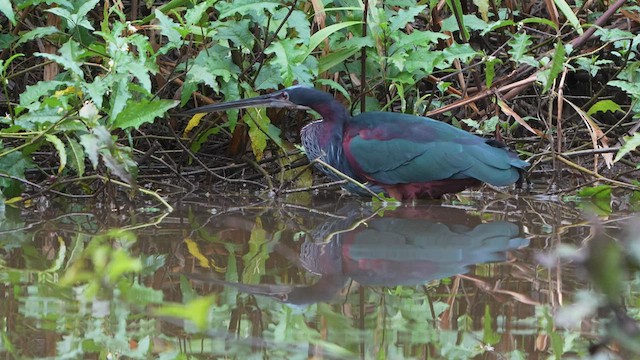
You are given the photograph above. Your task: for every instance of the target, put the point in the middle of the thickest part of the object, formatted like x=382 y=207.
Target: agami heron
x=404 y=156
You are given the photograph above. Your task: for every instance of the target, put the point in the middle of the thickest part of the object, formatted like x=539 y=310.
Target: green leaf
x=37 y=33
x=289 y=56
x=169 y=28
x=75 y=156
x=258 y=122
x=7 y=40
x=631 y=88
x=268 y=78
x=569 y=14
x=490 y=70
x=630 y=144
x=246 y=7
x=325 y=63
x=13 y=164
x=462 y=52
x=69 y=57
x=38 y=119
x=7 y=10
x=237 y=32
x=33 y=93
x=519 y=46
x=403 y=17
x=601 y=192
x=469 y=22
x=319 y=36
x=91 y=144
x=556 y=66
x=193 y=15
x=537 y=20
x=604 y=106
x=59 y=146
x=137 y=113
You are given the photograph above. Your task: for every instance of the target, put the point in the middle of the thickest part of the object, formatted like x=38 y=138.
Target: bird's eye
x=284 y=96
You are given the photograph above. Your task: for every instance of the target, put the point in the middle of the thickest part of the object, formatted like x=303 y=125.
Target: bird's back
x=391 y=148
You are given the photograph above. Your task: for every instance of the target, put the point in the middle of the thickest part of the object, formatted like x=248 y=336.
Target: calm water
x=336 y=280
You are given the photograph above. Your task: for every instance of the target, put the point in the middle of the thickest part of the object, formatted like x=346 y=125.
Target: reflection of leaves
x=255 y=259
x=196 y=311
x=600 y=199
x=489 y=335
x=13 y=164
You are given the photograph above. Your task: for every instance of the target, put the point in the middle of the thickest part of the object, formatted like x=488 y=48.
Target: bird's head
x=294 y=97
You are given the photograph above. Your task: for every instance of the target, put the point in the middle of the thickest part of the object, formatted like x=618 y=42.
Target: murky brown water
x=335 y=280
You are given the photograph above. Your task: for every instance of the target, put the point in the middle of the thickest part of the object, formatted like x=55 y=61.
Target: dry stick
x=519 y=86
x=205 y=167
x=346 y=177
x=596 y=175
x=315 y=187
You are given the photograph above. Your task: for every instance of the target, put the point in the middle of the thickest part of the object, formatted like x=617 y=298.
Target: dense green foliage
x=86 y=84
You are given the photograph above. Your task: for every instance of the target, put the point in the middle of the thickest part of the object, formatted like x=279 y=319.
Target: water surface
x=338 y=279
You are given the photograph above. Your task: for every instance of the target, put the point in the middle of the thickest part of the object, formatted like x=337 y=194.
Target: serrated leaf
x=86 y=6
x=631 y=88
x=37 y=33
x=193 y=15
x=75 y=156
x=33 y=93
x=67 y=64
x=490 y=70
x=39 y=118
x=630 y=144
x=69 y=57
x=400 y=19
x=169 y=28
x=7 y=10
x=258 y=122
x=462 y=52
x=14 y=164
x=556 y=66
x=604 y=106
x=520 y=45
x=91 y=144
x=238 y=32
x=246 y=7
x=295 y=22
x=268 y=78
x=59 y=146
x=469 y=22
x=137 y=113
x=289 y=56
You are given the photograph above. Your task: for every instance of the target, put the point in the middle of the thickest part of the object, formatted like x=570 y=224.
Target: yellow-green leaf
x=59 y=146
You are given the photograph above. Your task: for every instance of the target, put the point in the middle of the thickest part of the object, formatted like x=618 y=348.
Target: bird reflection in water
x=408 y=246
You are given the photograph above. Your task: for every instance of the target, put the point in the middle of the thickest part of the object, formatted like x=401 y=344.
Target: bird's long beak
x=276 y=99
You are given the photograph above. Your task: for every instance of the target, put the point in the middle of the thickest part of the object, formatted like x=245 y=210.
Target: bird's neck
x=333 y=113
